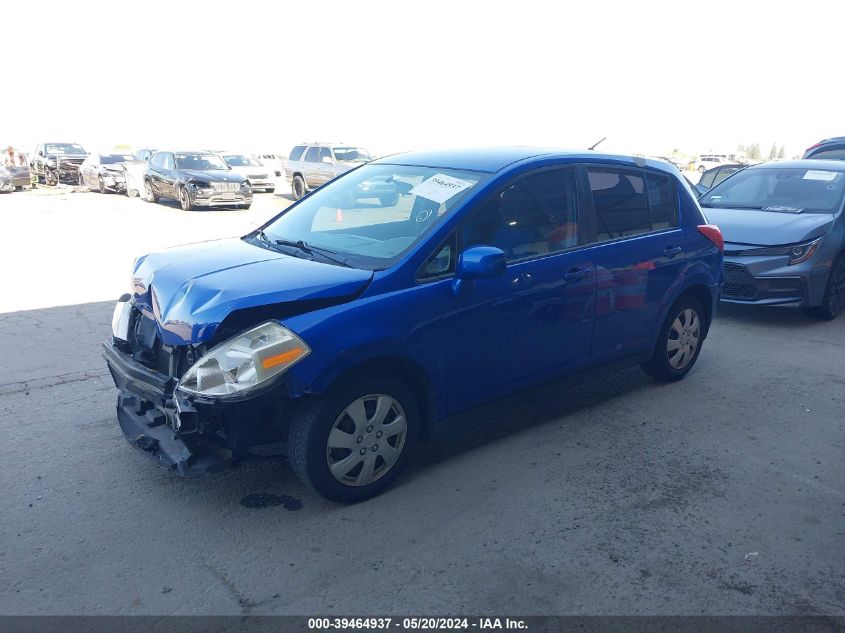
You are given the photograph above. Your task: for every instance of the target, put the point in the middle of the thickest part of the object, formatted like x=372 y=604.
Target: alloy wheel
x=366 y=440
x=684 y=338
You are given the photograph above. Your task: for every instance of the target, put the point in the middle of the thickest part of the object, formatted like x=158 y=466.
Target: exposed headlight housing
x=244 y=362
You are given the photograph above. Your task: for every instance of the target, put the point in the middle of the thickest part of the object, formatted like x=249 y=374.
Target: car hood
x=768 y=228
x=212 y=175
x=189 y=290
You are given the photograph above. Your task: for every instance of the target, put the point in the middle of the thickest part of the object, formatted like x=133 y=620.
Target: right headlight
x=245 y=361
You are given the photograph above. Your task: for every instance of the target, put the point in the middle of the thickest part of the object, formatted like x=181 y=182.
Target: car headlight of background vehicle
x=245 y=361
x=797 y=254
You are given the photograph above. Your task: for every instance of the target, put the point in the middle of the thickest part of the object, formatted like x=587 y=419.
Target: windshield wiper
x=310 y=250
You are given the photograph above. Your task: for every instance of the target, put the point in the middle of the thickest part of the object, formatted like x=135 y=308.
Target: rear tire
x=702 y=169
x=833 y=299
x=679 y=341
x=297 y=187
x=322 y=427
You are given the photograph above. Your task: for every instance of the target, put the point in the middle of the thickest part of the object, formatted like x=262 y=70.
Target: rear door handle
x=671 y=251
x=576 y=274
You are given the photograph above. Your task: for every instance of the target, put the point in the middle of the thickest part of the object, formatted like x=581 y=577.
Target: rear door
x=639 y=253
x=534 y=322
x=168 y=176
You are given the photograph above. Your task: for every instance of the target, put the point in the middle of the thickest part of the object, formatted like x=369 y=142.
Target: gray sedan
x=784 y=235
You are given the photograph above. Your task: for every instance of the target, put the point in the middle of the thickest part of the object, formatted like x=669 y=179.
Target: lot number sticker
x=815 y=174
x=441 y=187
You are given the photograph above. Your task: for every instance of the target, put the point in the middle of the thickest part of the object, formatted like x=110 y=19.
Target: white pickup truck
x=311 y=165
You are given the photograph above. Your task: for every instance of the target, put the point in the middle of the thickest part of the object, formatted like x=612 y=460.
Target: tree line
x=753 y=152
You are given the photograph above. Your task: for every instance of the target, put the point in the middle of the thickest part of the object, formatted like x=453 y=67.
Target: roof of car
x=495 y=159
x=804 y=163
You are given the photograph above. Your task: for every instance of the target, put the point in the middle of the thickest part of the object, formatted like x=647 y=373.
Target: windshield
x=200 y=161
x=352 y=154
x=241 y=160
x=111 y=159
x=779 y=189
x=64 y=148
x=373 y=215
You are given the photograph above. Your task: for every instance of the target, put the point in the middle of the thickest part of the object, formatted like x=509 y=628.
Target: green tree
x=740 y=147
x=782 y=152
x=773 y=152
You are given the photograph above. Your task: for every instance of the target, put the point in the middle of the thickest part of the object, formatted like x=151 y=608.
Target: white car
x=275 y=161
x=709 y=161
x=260 y=176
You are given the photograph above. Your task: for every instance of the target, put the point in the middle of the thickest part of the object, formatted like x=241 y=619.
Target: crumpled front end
x=190 y=435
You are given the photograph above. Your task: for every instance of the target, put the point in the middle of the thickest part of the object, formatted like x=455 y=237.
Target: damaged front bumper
x=181 y=433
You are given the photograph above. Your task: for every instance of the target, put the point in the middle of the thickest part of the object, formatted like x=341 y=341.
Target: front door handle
x=671 y=251
x=576 y=274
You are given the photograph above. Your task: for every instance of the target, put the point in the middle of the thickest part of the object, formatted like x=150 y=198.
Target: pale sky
x=390 y=76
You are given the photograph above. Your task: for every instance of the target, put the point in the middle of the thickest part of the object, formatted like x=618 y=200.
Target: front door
x=534 y=322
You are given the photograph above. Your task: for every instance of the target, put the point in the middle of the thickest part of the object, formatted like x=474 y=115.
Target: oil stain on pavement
x=265 y=500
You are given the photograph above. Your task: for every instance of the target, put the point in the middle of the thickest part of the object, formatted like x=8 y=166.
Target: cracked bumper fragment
x=187 y=435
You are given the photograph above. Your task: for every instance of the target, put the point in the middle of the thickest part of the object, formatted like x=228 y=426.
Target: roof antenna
x=594 y=145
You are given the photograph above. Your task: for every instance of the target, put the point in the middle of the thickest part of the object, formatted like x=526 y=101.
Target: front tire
x=185 y=200
x=149 y=194
x=80 y=179
x=351 y=443
x=702 y=169
x=297 y=187
x=679 y=342
x=270 y=190
x=101 y=186
x=834 y=293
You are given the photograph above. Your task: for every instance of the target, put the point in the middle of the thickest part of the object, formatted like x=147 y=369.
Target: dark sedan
x=195 y=179
x=106 y=172
x=784 y=234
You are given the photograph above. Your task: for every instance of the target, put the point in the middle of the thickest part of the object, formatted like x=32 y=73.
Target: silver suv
x=312 y=165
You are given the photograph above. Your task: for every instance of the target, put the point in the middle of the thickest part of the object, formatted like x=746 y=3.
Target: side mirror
x=477 y=262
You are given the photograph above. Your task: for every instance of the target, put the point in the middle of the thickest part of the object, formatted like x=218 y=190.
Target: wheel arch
x=411 y=373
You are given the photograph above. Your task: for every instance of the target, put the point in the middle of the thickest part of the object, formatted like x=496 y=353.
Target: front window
x=351 y=154
x=200 y=162
x=373 y=215
x=112 y=159
x=64 y=148
x=241 y=160
x=781 y=190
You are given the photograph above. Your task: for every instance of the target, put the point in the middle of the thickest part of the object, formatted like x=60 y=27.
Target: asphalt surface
x=721 y=494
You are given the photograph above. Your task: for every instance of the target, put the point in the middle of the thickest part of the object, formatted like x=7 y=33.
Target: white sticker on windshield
x=441 y=187
x=816 y=174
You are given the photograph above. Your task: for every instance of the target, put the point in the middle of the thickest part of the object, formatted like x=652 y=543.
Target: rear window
x=296 y=152
x=829 y=154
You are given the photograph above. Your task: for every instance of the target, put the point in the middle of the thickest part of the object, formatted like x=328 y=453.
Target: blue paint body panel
x=533 y=323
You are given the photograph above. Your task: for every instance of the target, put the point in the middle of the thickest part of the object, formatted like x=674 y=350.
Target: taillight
x=712 y=233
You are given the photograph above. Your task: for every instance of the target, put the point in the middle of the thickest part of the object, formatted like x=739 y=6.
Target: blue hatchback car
x=351 y=325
